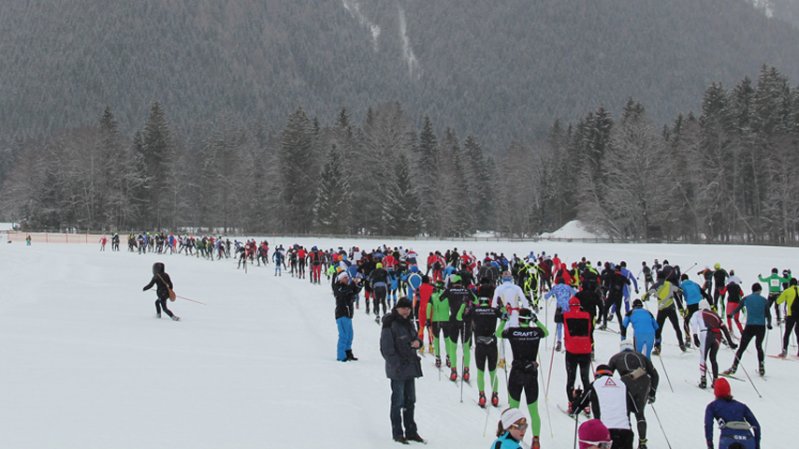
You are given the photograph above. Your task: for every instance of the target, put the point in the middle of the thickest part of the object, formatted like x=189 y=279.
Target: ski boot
x=438 y=361
x=449 y=364
x=158 y=315
x=351 y=357
x=682 y=348
x=731 y=371
x=453 y=375
x=762 y=369
x=703 y=383
x=536 y=444
x=656 y=350
x=587 y=412
x=783 y=354
x=558 y=346
x=570 y=408
x=377 y=319
x=642 y=443
x=482 y=400
x=401 y=439
x=604 y=326
x=466 y=375
x=495 y=399
x=175 y=318
x=415 y=437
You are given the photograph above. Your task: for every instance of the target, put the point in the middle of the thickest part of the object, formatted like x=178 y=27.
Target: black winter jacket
x=402 y=362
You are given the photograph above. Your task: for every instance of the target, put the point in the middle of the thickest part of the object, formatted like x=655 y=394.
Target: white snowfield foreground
x=85 y=365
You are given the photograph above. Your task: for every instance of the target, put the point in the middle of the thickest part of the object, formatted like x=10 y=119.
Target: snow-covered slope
x=86 y=365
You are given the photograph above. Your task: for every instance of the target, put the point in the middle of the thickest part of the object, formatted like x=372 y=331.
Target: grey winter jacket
x=402 y=362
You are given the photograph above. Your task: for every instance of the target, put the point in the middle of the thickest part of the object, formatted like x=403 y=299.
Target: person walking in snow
x=791 y=299
x=399 y=342
x=163 y=284
x=641 y=379
x=775 y=282
x=579 y=347
x=612 y=403
x=563 y=293
x=668 y=303
x=735 y=419
x=484 y=322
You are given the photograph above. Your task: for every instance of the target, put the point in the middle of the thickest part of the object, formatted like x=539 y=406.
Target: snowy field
x=86 y=365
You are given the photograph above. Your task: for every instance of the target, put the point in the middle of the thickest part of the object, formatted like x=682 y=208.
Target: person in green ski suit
x=438 y=317
x=774 y=282
x=458 y=298
x=524 y=341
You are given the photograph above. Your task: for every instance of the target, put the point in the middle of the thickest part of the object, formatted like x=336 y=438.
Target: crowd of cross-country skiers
x=467 y=301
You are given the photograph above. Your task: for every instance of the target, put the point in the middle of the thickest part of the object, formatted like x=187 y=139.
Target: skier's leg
x=571 y=376
x=759 y=336
x=491 y=352
x=531 y=393
x=480 y=356
x=165 y=308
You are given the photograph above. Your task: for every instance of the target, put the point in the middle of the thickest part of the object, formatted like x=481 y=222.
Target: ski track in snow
x=86 y=365
x=354 y=8
x=414 y=70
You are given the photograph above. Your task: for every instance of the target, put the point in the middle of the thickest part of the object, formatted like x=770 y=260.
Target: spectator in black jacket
x=399 y=342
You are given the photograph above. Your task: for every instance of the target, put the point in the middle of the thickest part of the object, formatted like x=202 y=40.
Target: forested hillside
x=497 y=70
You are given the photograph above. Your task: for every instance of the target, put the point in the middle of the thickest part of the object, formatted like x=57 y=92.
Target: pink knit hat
x=592 y=430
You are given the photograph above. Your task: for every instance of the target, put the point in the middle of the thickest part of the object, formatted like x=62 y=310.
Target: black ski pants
x=160 y=303
x=486 y=352
x=756 y=331
x=523 y=379
x=380 y=299
x=671 y=314
x=790 y=324
x=573 y=361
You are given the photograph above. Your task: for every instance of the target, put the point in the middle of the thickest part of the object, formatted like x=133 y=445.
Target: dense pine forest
x=724 y=173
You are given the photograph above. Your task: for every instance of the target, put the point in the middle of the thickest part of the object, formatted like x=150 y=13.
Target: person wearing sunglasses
x=594 y=435
x=510 y=429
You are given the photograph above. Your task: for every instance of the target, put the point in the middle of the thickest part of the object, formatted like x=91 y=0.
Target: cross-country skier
x=459 y=298
x=421 y=306
x=791 y=298
x=720 y=276
x=612 y=403
x=563 y=293
x=708 y=328
x=644 y=326
x=734 y=418
x=758 y=319
x=163 y=284
x=668 y=303
x=484 y=322
x=378 y=280
x=578 y=325
x=438 y=317
x=345 y=292
x=774 y=282
x=641 y=379
x=524 y=342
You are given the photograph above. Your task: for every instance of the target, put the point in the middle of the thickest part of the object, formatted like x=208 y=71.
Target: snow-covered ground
x=84 y=363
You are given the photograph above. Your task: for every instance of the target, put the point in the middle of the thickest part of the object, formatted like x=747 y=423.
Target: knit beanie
x=721 y=388
x=592 y=430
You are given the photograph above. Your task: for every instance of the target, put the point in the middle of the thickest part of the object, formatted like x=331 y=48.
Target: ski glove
x=733 y=345
x=769 y=326
x=651 y=397
x=696 y=340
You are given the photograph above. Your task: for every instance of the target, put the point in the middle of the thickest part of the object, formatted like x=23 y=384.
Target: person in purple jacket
x=734 y=418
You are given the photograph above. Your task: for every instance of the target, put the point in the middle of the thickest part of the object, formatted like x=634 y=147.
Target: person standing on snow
x=707 y=330
x=524 y=342
x=163 y=285
x=398 y=344
x=692 y=293
x=665 y=291
x=612 y=403
x=459 y=298
x=734 y=418
x=484 y=322
x=345 y=292
x=774 y=282
x=720 y=276
x=758 y=319
x=641 y=379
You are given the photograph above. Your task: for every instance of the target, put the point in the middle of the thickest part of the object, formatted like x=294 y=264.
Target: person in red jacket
x=577 y=333
x=425 y=291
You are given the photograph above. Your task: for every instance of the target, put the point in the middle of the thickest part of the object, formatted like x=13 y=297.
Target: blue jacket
x=629 y=275
x=563 y=294
x=692 y=292
x=725 y=411
x=756 y=309
x=642 y=320
x=505 y=441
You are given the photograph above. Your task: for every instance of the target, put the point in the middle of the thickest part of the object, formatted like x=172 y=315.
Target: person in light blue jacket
x=563 y=294
x=644 y=325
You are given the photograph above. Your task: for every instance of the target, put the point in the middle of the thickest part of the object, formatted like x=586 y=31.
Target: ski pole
x=576 y=420
x=750 y=381
x=660 y=424
x=463 y=367
x=546 y=405
x=189 y=299
x=549 y=374
x=666 y=373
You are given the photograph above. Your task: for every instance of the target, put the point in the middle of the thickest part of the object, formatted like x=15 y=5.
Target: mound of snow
x=574 y=229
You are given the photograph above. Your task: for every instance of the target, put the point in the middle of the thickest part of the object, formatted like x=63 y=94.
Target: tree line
x=723 y=175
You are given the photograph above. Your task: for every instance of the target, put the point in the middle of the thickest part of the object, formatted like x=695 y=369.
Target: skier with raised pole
x=708 y=328
x=524 y=341
x=641 y=379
